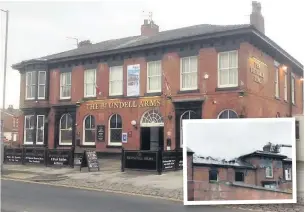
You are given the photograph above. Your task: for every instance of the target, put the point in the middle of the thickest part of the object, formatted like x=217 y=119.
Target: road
x=28 y=197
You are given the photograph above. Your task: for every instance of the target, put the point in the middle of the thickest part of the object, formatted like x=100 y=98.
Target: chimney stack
x=84 y=43
x=256 y=17
x=149 y=28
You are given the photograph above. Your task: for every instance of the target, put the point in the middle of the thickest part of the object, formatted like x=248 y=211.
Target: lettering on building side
x=126 y=104
x=258 y=70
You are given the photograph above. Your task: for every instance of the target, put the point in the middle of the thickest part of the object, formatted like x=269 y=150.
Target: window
x=186 y=115
x=292 y=89
x=213 y=175
x=285 y=86
x=277 y=85
x=116 y=81
x=239 y=176
x=30 y=89
x=65 y=85
x=188 y=73
x=29 y=125
x=89 y=130
x=40 y=129
x=154 y=76
x=90 y=82
x=288 y=174
x=115 y=130
x=297 y=130
x=270 y=185
x=227 y=114
x=227 y=69
x=65 y=131
x=41 y=84
x=269 y=170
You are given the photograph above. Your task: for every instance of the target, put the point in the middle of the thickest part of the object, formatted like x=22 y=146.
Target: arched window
x=227 y=114
x=186 y=115
x=152 y=118
x=65 y=131
x=89 y=130
x=115 y=130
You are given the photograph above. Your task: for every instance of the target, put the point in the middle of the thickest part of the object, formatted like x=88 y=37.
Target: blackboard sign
x=100 y=132
x=34 y=156
x=78 y=160
x=59 y=158
x=13 y=155
x=90 y=160
x=168 y=162
x=141 y=160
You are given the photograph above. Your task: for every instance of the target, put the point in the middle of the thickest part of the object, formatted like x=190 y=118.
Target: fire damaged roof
x=263 y=154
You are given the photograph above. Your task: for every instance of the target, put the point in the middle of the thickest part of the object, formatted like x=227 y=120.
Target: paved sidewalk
x=167 y=185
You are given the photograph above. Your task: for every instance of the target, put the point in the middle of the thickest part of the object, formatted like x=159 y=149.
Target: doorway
x=152 y=131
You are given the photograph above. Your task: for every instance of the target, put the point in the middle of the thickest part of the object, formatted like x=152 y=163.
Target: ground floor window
x=89 y=130
x=213 y=175
x=115 y=130
x=65 y=131
x=227 y=114
x=34 y=129
x=288 y=174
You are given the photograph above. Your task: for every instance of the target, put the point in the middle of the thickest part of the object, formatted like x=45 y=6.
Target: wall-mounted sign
x=133 y=80
x=258 y=69
x=130 y=134
x=105 y=104
x=124 y=138
x=100 y=132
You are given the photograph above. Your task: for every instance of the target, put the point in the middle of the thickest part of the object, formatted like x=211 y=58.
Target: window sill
x=65 y=100
x=188 y=91
x=89 y=98
x=115 y=96
x=277 y=98
x=227 y=88
x=114 y=146
x=153 y=93
x=269 y=177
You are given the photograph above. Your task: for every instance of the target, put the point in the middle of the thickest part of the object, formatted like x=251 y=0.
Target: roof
x=11 y=112
x=263 y=153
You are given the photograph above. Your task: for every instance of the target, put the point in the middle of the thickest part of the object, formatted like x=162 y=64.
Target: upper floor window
x=116 y=81
x=288 y=174
x=227 y=114
x=228 y=69
x=297 y=130
x=239 y=176
x=276 y=82
x=293 y=89
x=154 y=76
x=213 y=175
x=30 y=88
x=41 y=85
x=269 y=170
x=285 y=86
x=89 y=130
x=65 y=85
x=188 y=73
x=90 y=83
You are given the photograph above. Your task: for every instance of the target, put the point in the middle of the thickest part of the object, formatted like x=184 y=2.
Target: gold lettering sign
x=99 y=105
x=258 y=70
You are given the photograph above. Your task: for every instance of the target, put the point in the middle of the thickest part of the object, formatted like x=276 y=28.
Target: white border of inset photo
x=227 y=202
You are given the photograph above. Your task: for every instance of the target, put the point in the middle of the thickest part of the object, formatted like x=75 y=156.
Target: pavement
x=28 y=197
x=168 y=186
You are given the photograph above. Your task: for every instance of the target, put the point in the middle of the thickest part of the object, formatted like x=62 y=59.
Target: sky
x=230 y=138
x=41 y=28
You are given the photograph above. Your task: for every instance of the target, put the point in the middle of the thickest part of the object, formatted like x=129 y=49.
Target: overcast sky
x=40 y=28
x=229 y=138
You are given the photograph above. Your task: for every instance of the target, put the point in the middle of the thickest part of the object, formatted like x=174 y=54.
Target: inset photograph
x=239 y=161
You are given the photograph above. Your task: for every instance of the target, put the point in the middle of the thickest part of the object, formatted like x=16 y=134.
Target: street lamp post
x=4 y=87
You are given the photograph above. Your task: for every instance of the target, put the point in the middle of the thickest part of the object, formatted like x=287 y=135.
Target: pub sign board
x=59 y=157
x=90 y=160
x=13 y=155
x=141 y=160
x=34 y=156
x=169 y=162
x=100 y=132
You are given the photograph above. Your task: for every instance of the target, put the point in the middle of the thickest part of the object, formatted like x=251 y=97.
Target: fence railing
x=39 y=156
x=158 y=161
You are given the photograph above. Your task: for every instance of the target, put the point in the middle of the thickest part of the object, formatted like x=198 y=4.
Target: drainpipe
x=290 y=91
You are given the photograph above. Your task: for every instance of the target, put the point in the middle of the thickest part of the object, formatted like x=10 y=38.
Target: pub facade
x=134 y=92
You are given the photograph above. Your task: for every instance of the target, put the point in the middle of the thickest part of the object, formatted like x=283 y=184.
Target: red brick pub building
x=145 y=85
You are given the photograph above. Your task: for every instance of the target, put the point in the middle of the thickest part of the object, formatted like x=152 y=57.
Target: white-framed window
x=89 y=130
x=277 y=84
x=30 y=82
x=90 y=83
x=288 y=174
x=29 y=129
x=269 y=170
x=40 y=129
x=42 y=76
x=116 y=80
x=228 y=69
x=271 y=186
x=65 y=129
x=285 y=86
x=227 y=114
x=154 y=76
x=65 y=85
x=188 y=73
x=115 y=130
x=293 y=89
x=186 y=115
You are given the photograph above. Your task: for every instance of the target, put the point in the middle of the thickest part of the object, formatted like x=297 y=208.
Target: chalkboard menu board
x=34 y=156
x=168 y=162
x=59 y=158
x=90 y=160
x=100 y=132
x=13 y=155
